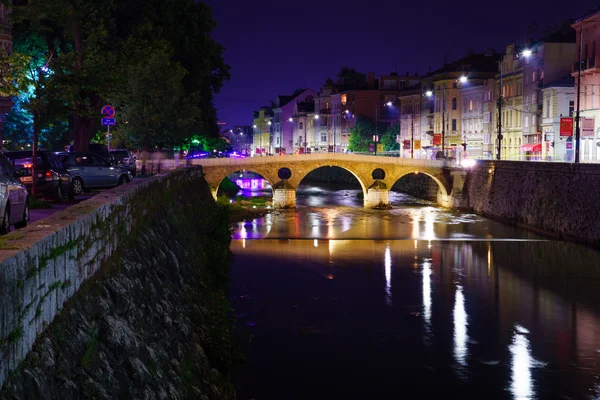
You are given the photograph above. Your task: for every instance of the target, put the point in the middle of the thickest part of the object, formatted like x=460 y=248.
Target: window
x=344 y=99
x=277 y=140
x=533 y=121
x=301 y=125
x=323 y=137
x=327 y=105
x=453 y=124
x=571 y=107
x=454 y=85
x=526 y=121
x=534 y=76
x=471 y=105
x=300 y=140
x=454 y=103
x=547 y=108
x=534 y=98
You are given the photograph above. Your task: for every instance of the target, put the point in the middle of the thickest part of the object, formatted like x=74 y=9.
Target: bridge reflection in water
x=451 y=312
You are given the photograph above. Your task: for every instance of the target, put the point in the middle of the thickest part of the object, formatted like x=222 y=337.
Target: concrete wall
x=43 y=265
x=561 y=199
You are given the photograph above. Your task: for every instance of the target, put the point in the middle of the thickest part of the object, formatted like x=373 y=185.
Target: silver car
x=14 y=199
x=90 y=171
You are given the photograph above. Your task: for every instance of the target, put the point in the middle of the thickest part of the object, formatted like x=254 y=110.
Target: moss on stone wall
x=155 y=321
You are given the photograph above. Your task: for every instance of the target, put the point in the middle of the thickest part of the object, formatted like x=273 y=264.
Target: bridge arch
x=298 y=175
x=216 y=177
x=437 y=179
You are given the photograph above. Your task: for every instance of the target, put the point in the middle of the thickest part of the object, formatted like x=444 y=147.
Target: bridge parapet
x=362 y=167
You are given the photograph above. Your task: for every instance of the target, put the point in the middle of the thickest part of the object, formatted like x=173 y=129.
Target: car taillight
x=48 y=175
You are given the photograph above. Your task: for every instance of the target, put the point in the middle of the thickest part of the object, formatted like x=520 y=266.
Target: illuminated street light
x=254 y=126
x=291 y=119
x=527 y=53
x=429 y=93
x=316 y=116
x=463 y=79
x=389 y=104
x=347 y=112
x=269 y=123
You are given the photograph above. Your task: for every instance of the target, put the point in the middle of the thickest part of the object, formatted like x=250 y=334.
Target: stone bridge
x=376 y=175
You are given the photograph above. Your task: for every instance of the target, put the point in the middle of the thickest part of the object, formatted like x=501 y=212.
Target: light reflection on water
x=438 y=301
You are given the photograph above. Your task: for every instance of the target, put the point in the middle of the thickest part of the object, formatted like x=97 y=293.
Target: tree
x=349 y=79
x=26 y=74
x=92 y=41
x=389 y=138
x=361 y=135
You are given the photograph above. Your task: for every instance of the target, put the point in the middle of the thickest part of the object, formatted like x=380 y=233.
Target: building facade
x=588 y=37
x=509 y=83
x=544 y=62
x=283 y=127
x=442 y=113
x=477 y=107
x=262 y=131
x=558 y=99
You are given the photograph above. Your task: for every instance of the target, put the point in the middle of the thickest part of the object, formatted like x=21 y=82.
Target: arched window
x=454 y=103
x=301 y=126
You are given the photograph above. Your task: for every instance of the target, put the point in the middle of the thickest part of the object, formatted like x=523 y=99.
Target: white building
x=558 y=100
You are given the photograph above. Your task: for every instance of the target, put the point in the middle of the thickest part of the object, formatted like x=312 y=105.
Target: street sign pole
x=108 y=137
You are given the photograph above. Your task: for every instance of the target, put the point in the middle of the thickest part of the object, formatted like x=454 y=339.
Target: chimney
x=371 y=80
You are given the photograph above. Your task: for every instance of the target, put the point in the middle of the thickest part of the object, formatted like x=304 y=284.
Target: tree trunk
x=34 y=148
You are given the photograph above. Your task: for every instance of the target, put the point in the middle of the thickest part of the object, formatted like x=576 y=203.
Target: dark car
x=52 y=180
x=90 y=171
x=123 y=159
x=97 y=148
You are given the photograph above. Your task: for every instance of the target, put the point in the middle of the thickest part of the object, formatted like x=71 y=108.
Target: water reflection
x=388 y=275
x=427 y=295
x=521 y=382
x=460 y=328
x=323 y=301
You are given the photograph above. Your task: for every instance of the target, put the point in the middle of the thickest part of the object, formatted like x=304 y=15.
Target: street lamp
x=429 y=93
x=389 y=104
x=463 y=79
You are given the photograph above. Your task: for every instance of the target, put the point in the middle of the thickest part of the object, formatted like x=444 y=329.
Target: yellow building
x=262 y=131
x=511 y=72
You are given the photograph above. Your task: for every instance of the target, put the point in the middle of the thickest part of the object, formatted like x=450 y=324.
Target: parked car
x=90 y=171
x=14 y=199
x=123 y=159
x=52 y=180
x=97 y=148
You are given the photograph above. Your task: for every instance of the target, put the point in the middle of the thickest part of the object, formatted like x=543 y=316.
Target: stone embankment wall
x=560 y=199
x=120 y=296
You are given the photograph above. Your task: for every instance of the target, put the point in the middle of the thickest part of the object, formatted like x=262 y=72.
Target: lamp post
x=499 y=105
x=390 y=104
x=270 y=139
x=429 y=93
x=253 y=137
x=577 y=115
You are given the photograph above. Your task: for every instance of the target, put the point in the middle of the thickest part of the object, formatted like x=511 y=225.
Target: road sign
x=417 y=144
x=108 y=112
x=108 y=121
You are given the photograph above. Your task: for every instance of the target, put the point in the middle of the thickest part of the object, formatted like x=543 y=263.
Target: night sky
x=275 y=47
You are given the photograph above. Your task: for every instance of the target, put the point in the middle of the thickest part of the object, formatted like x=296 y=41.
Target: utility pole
x=376 y=123
x=577 y=117
x=500 y=101
x=444 y=121
x=412 y=130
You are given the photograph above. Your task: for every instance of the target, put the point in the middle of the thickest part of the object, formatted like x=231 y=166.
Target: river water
x=416 y=302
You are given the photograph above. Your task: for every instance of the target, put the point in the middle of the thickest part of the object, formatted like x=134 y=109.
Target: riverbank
x=154 y=321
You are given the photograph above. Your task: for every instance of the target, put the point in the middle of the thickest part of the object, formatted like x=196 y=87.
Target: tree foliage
x=155 y=60
x=350 y=79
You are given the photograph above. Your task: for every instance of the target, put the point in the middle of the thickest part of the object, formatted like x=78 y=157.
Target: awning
x=533 y=147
